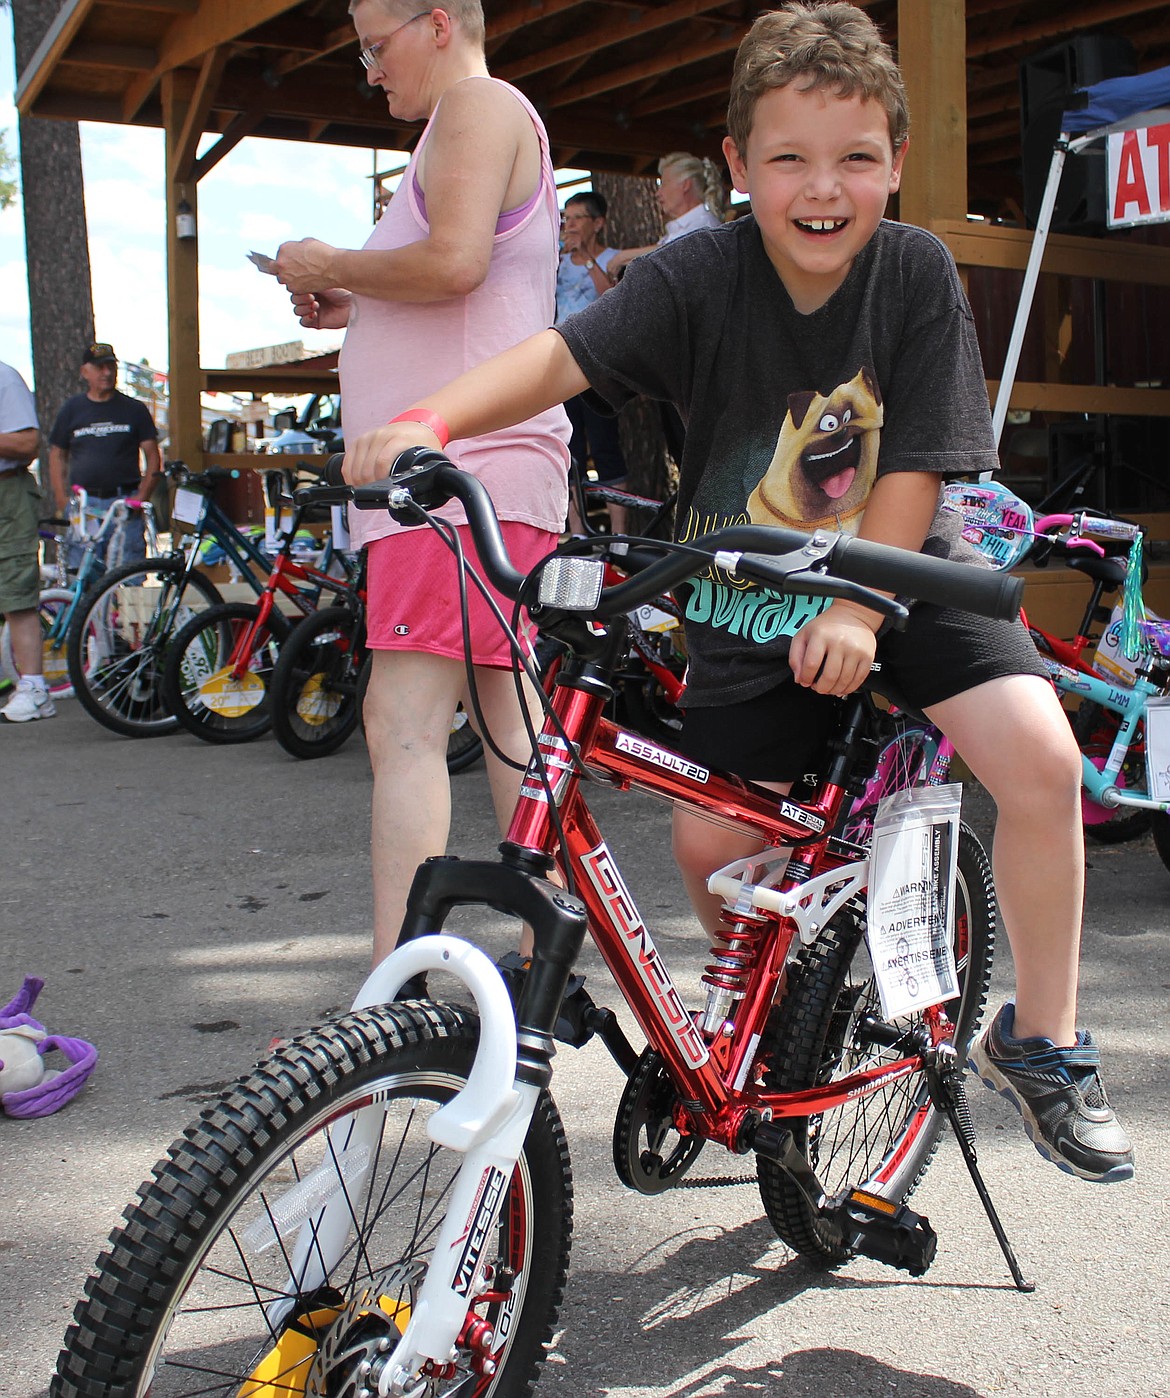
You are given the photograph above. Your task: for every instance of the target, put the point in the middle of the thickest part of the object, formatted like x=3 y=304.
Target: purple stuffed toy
x=27 y=1087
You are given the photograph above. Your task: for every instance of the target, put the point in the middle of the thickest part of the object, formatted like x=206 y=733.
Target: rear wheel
x=314 y=688
x=53 y=604
x=228 y=1276
x=118 y=642
x=882 y=1141
x=219 y=672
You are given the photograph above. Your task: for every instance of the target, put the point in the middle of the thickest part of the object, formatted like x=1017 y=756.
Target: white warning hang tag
x=911 y=914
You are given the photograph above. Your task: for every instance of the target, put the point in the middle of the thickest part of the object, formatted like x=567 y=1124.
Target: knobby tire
x=181 y=1302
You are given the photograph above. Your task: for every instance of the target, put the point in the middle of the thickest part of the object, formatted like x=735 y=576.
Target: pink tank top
x=396 y=352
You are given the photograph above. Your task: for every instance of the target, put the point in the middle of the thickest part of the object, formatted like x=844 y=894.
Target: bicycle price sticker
x=1158 y=747
x=230 y=695
x=188 y=506
x=910 y=915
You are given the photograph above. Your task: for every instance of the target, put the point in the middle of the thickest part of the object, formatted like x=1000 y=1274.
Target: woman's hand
x=305 y=265
x=834 y=652
x=373 y=455
x=322 y=310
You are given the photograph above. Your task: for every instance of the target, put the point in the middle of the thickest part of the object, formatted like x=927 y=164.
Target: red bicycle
x=219 y=667
x=384 y=1206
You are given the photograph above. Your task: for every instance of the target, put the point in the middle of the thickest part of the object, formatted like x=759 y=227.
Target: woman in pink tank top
x=461 y=266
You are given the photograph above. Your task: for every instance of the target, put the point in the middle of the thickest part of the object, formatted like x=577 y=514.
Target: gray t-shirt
x=790 y=418
x=18 y=411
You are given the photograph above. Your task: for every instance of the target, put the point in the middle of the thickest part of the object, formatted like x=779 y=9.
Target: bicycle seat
x=1108 y=571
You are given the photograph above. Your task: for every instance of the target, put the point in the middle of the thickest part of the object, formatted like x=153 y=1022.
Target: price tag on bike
x=910 y=916
x=188 y=506
x=1158 y=746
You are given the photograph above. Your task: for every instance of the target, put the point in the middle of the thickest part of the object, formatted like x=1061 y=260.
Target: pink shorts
x=413 y=599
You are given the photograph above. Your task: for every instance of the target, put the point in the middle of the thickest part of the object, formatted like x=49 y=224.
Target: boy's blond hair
x=834 y=46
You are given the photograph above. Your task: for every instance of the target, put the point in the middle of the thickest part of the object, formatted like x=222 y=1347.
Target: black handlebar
x=423 y=477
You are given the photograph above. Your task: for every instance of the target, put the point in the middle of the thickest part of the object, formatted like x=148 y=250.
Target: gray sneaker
x=29 y=702
x=1059 y=1094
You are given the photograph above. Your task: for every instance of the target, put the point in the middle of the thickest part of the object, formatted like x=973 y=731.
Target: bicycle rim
x=204 y=1292
x=117 y=645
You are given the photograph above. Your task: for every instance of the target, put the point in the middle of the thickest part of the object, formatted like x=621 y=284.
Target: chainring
x=649 y=1153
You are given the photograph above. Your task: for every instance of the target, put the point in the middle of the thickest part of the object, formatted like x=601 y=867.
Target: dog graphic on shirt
x=825 y=462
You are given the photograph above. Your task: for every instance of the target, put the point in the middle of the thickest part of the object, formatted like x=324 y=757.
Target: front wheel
x=218 y=673
x=222 y=1281
x=881 y=1142
x=118 y=642
x=52 y=608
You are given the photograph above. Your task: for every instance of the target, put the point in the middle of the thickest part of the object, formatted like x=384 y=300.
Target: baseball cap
x=98 y=353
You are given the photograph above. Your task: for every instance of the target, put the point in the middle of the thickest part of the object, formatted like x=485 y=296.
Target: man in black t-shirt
x=96 y=443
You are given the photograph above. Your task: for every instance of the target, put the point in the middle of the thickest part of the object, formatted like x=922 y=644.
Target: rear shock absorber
x=726 y=974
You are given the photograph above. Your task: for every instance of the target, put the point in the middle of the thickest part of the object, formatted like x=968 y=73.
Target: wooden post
x=932 y=50
x=186 y=427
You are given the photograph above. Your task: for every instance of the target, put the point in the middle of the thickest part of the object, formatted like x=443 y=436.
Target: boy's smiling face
x=820 y=170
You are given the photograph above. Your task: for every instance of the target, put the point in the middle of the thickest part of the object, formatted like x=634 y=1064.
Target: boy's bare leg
x=1017 y=741
x=700 y=847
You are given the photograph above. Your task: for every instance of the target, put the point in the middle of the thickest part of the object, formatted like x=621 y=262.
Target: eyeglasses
x=369 y=56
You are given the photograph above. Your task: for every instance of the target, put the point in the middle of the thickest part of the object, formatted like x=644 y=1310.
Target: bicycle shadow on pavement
x=815 y=1373
x=687 y=1303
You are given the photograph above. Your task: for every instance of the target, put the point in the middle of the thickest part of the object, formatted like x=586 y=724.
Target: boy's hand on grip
x=372 y=456
x=834 y=652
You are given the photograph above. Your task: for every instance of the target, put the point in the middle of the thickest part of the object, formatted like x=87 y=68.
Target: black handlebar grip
x=942 y=581
x=331 y=475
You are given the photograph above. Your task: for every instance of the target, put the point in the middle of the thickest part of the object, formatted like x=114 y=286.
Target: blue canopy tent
x=1117 y=104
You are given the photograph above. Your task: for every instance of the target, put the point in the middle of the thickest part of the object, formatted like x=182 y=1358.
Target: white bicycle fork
x=486 y=1122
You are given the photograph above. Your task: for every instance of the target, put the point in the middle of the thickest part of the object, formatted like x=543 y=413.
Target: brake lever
x=792 y=572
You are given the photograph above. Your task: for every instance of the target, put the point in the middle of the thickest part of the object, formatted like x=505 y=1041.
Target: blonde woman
x=690 y=194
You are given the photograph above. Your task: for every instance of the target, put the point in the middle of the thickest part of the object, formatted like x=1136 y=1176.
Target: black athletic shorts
x=781 y=734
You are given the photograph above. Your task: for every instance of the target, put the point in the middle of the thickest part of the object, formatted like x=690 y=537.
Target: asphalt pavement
x=185 y=903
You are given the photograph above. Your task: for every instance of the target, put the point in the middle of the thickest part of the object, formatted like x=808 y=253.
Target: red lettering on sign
x=1158 y=140
x=1131 y=180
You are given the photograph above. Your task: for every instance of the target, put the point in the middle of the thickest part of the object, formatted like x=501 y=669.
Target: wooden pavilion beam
x=619 y=31
x=1061 y=21
x=931 y=53
x=525 y=12
x=668 y=61
x=59 y=35
x=129 y=57
x=186 y=141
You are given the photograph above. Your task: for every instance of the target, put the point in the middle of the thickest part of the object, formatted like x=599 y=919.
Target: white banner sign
x=1139 y=176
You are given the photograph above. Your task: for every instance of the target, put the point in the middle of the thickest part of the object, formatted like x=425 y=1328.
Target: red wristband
x=428 y=419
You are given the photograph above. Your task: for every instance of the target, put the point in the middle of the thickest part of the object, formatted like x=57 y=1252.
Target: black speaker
x=1047 y=82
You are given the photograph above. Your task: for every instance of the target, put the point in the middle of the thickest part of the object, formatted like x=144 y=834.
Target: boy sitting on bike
x=826 y=365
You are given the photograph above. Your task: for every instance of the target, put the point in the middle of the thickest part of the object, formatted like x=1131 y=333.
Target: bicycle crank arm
x=862 y=1222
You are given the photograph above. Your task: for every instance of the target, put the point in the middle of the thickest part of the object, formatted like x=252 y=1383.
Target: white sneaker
x=29 y=702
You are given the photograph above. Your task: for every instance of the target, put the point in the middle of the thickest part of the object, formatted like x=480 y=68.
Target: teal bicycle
x=60 y=599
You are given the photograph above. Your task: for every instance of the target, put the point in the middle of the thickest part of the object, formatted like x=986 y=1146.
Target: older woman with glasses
x=461 y=265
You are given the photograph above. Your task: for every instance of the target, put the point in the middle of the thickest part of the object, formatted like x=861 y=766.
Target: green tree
x=7 y=163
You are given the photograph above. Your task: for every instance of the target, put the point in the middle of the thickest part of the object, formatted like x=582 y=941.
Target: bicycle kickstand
x=948 y=1091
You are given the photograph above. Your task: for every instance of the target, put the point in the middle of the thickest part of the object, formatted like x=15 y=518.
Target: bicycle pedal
x=572 y=1027
x=890 y=1233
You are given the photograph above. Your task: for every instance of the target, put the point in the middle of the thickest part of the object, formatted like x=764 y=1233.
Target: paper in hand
x=264 y=262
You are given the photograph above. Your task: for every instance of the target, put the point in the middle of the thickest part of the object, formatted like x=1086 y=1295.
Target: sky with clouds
x=260 y=194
